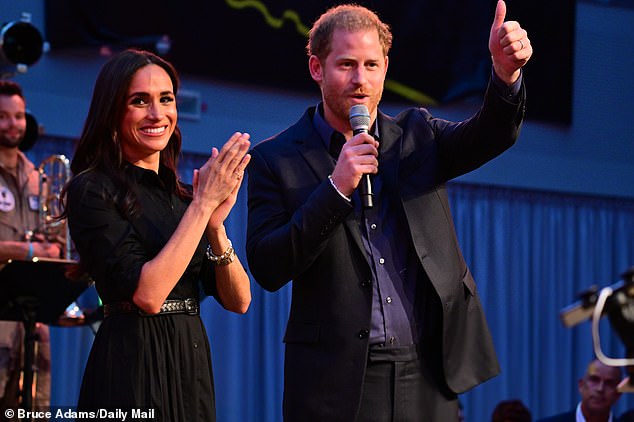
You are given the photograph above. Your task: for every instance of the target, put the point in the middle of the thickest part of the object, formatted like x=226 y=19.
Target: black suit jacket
x=571 y=416
x=561 y=417
x=300 y=229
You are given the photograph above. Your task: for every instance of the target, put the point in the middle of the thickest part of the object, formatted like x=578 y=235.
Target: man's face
x=12 y=120
x=598 y=388
x=353 y=73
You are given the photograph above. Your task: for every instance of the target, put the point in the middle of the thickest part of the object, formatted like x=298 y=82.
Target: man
x=19 y=214
x=385 y=321
x=598 y=394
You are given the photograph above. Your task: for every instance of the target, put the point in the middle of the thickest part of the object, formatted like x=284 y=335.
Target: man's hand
x=509 y=46
x=358 y=157
x=47 y=250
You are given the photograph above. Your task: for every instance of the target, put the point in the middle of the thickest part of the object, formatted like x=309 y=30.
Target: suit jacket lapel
x=389 y=150
x=315 y=154
x=311 y=147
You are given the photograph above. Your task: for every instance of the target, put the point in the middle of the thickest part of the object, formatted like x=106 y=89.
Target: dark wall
x=440 y=46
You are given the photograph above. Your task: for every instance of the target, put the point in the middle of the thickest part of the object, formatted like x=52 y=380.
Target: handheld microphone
x=360 y=122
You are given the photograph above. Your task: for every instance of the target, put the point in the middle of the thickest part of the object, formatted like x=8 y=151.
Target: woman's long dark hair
x=99 y=146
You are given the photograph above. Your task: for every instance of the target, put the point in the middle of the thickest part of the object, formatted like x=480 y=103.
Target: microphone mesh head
x=359 y=117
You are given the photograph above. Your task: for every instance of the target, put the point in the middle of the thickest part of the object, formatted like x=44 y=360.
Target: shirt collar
x=580 y=418
x=140 y=174
x=23 y=164
x=325 y=131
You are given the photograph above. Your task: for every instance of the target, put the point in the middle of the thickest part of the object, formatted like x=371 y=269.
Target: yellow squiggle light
x=409 y=93
x=270 y=19
x=398 y=88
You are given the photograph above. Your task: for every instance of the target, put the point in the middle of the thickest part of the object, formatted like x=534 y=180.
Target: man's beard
x=10 y=142
x=337 y=103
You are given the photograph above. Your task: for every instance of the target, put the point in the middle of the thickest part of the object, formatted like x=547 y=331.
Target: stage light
x=21 y=45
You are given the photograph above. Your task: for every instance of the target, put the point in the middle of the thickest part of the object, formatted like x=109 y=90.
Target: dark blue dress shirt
x=396 y=296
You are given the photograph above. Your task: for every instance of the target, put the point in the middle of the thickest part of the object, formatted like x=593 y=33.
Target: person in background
x=19 y=240
x=385 y=320
x=598 y=389
x=511 y=411
x=151 y=244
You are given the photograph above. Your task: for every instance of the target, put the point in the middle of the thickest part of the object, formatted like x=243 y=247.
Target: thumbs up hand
x=509 y=46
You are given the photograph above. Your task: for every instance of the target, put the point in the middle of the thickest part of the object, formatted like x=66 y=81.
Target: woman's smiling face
x=150 y=117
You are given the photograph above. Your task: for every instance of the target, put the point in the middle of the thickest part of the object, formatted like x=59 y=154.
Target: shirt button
x=388 y=299
x=373 y=226
x=195 y=345
x=363 y=333
x=381 y=260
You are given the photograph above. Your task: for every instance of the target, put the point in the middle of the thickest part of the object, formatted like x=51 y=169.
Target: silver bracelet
x=225 y=259
x=332 y=182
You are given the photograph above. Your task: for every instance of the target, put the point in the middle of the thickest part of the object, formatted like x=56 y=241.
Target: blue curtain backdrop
x=531 y=254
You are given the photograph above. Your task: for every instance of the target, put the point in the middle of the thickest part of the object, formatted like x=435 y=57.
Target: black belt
x=170 y=306
x=379 y=353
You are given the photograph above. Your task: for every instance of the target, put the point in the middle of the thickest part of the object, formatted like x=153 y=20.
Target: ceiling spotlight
x=21 y=45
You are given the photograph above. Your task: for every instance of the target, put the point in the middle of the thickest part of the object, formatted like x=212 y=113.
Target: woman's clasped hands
x=217 y=182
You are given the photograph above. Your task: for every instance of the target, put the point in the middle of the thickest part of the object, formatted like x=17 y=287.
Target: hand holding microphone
x=358 y=158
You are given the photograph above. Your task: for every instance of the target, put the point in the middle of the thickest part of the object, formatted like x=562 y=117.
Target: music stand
x=35 y=291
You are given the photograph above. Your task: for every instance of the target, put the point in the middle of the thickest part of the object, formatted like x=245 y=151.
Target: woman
x=149 y=241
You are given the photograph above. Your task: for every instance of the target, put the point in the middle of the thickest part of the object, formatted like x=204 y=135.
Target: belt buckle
x=191 y=306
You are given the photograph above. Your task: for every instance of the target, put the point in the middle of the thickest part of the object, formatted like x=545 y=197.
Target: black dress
x=161 y=362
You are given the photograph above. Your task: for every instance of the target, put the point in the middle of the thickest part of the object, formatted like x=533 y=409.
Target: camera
x=617 y=302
